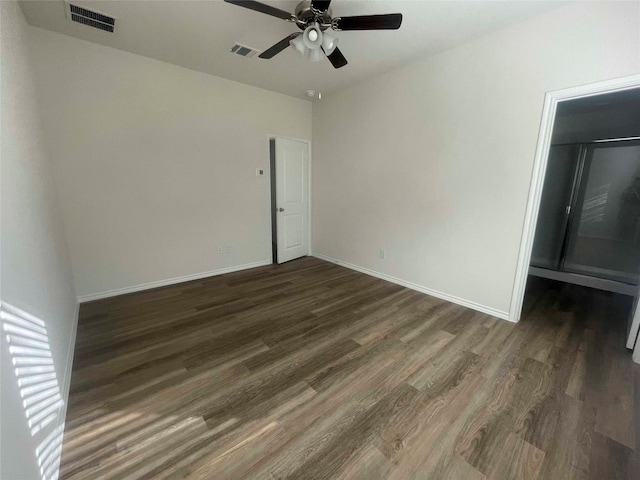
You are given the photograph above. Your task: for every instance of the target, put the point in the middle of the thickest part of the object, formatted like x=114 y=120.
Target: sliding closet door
x=605 y=233
x=556 y=197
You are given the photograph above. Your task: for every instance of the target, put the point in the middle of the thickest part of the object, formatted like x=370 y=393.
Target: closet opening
x=586 y=248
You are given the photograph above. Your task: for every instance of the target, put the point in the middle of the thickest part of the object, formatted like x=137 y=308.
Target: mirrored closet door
x=589 y=219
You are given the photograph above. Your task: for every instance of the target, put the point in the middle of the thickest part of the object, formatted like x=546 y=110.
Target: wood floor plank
x=367 y=463
x=309 y=370
x=571 y=445
x=332 y=459
x=308 y=430
x=519 y=461
x=615 y=404
x=459 y=469
x=610 y=460
x=428 y=446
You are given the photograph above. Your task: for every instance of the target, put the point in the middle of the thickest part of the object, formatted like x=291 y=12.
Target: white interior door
x=292 y=199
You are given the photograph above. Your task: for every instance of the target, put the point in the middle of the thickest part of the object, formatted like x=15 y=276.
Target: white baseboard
x=66 y=378
x=169 y=281
x=419 y=288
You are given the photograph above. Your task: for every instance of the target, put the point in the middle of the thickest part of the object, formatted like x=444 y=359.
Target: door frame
x=551 y=101
x=635 y=327
x=634 y=330
x=309 y=196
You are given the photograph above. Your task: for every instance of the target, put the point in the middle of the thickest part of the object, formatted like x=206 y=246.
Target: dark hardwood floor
x=308 y=370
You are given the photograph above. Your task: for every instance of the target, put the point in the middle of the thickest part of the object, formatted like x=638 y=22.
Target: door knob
x=281 y=209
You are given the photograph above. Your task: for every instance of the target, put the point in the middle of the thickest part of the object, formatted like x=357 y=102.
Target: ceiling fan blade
x=262 y=8
x=336 y=58
x=391 y=21
x=278 y=47
x=320 y=5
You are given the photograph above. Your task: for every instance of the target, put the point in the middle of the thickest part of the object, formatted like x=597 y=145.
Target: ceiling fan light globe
x=315 y=54
x=299 y=45
x=329 y=43
x=312 y=36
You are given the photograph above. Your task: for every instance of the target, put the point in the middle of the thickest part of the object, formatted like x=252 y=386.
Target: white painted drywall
x=156 y=164
x=433 y=162
x=36 y=271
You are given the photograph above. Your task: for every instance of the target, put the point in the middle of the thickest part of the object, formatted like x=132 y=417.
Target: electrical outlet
x=229 y=249
x=259 y=172
x=382 y=254
x=220 y=249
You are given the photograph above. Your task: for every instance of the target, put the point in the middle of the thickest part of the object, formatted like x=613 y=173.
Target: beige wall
x=36 y=272
x=156 y=164
x=433 y=162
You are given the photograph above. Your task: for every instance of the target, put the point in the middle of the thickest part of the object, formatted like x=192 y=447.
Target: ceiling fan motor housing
x=306 y=16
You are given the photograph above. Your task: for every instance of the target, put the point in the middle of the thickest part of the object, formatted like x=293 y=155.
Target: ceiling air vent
x=243 y=50
x=92 y=19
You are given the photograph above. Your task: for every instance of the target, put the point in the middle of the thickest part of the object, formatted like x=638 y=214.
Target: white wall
x=36 y=273
x=156 y=163
x=433 y=162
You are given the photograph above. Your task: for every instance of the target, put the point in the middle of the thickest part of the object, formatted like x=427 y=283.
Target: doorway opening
x=289 y=167
x=583 y=218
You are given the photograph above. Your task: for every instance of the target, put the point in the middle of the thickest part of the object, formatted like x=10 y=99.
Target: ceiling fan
x=314 y=18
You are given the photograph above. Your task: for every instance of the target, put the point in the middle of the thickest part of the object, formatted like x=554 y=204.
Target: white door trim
x=635 y=324
x=636 y=353
x=268 y=170
x=634 y=334
x=551 y=100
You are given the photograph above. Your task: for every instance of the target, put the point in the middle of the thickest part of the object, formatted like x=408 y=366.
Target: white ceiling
x=199 y=34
